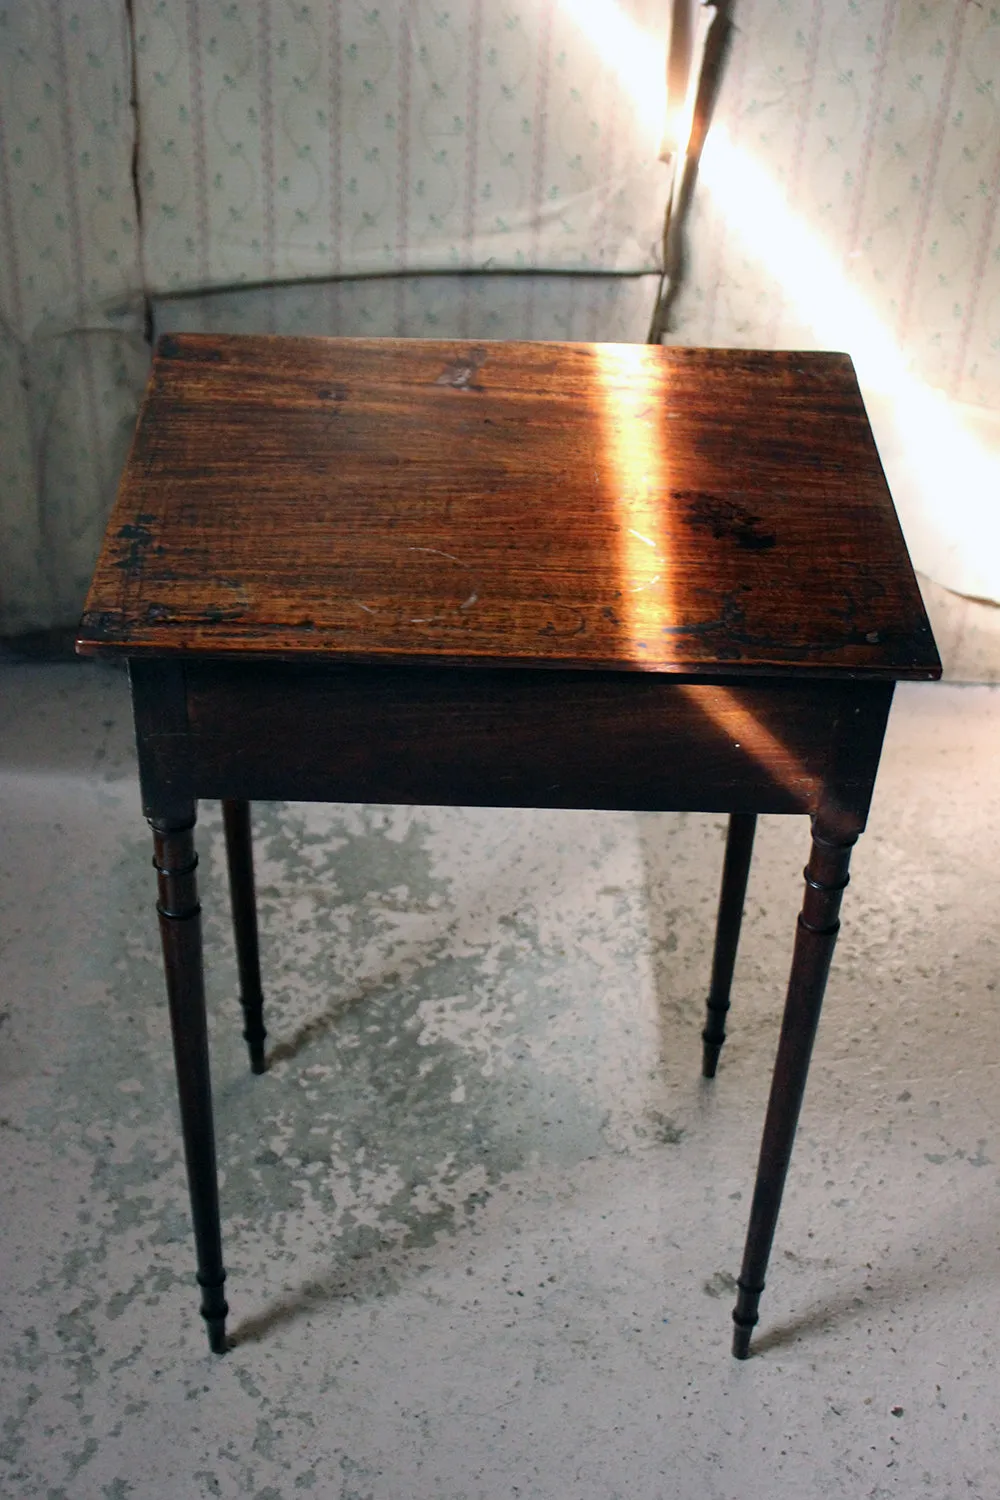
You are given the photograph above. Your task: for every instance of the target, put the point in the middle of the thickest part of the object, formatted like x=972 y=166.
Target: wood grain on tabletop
x=582 y=505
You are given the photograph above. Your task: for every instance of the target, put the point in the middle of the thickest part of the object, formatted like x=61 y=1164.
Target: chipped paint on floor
x=482 y=1217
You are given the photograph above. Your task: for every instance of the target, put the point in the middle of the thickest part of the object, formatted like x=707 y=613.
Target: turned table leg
x=826 y=875
x=239 y=853
x=175 y=863
x=735 y=870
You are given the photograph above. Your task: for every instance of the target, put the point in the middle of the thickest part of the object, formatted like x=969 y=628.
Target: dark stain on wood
x=727 y=518
x=177 y=346
x=139 y=538
x=693 y=509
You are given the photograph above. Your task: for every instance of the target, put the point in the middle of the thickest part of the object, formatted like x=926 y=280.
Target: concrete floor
x=482 y=1215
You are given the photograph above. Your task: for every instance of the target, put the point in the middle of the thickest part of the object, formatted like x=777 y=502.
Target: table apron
x=506 y=738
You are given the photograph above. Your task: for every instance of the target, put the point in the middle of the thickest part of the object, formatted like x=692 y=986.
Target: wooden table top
x=613 y=506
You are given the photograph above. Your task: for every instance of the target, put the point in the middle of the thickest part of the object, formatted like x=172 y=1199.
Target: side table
x=511 y=574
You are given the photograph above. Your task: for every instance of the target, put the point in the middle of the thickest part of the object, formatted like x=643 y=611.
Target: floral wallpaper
x=72 y=358
x=870 y=131
x=880 y=122
x=282 y=140
x=274 y=145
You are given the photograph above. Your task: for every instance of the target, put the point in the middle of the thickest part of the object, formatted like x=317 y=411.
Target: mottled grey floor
x=482 y=1216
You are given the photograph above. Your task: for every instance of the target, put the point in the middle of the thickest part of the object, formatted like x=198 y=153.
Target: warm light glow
x=810 y=277
x=942 y=459
x=636 y=57
x=682 y=96
x=749 y=735
x=635 y=452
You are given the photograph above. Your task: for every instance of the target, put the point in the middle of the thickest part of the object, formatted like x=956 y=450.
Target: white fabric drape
x=278 y=142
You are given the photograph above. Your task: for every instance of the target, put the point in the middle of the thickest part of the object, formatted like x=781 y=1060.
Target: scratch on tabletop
x=438 y=553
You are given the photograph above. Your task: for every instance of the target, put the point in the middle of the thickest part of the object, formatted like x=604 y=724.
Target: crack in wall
x=148 y=331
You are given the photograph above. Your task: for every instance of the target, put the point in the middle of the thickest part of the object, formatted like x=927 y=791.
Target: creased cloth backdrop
x=277 y=141
x=875 y=124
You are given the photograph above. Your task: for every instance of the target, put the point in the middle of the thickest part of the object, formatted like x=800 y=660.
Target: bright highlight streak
x=636 y=57
x=636 y=453
x=810 y=277
x=937 y=460
x=748 y=734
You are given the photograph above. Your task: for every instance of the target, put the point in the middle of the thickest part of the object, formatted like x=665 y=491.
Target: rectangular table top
x=616 y=506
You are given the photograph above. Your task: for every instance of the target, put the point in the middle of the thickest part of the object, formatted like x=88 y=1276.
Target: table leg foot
x=735 y=871
x=179 y=913
x=239 y=854
x=826 y=876
x=710 y=1054
x=214 y=1309
x=745 y=1319
x=741 y=1342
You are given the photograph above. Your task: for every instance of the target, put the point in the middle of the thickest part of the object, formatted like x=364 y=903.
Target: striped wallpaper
x=880 y=122
x=280 y=140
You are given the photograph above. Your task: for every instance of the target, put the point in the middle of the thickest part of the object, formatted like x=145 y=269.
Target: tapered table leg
x=735 y=870
x=826 y=875
x=175 y=862
x=239 y=853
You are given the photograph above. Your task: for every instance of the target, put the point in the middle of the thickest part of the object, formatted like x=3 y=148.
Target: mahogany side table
x=510 y=574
